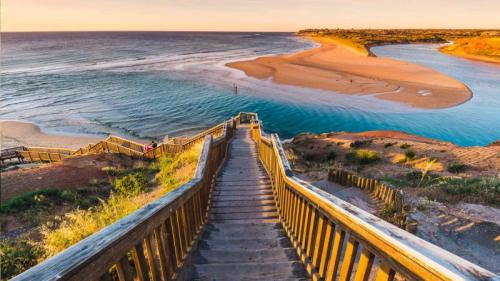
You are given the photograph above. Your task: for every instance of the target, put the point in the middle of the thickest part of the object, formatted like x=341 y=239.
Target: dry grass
x=173 y=171
x=178 y=169
x=487 y=47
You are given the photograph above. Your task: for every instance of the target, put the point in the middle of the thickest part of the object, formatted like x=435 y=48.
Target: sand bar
x=338 y=68
x=16 y=133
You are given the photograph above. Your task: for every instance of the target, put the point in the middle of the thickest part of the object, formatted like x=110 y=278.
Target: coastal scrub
x=173 y=171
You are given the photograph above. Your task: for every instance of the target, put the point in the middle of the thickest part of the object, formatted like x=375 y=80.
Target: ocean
x=150 y=84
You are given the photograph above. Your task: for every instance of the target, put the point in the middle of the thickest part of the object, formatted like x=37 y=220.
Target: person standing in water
x=235 y=89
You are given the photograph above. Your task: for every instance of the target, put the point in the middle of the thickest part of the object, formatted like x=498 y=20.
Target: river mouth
x=148 y=86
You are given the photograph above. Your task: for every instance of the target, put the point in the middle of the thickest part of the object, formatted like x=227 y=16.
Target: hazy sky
x=245 y=15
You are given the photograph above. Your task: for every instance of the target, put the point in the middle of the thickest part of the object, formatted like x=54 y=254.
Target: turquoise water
x=151 y=84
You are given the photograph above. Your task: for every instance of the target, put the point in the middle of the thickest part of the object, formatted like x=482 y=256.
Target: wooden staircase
x=244 y=239
x=235 y=220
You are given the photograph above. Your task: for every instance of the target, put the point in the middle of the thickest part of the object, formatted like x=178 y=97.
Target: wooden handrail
x=126 y=143
x=157 y=237
x=123 y=146
x=336 y=239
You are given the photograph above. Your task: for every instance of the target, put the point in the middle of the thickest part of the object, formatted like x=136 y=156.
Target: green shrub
x=33 y=199
x=17 y=256
x=331 y=155
x=416 y=178
x=475 y=190
x=404 y=146
x=360 y=143
x=68 y=195
x=389 y=144
x=132 y=184
x=456 y=168
x=410 y=155
x=362 y=156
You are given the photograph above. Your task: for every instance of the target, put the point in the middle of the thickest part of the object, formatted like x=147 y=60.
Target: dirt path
x=468 y=230
x=353 y=195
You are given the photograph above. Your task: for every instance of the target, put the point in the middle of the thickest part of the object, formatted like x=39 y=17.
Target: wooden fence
x=153 y=242
x=114 y=144
x=46 y=154
x=392 y=197
x=335 y=239
x=11 y=154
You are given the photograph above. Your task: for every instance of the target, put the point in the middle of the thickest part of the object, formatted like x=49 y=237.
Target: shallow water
x=156 y=83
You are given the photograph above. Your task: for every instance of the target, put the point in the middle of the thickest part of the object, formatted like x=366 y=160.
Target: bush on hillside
x=331 y=155
x=360 y=143
x=17 y=256
x=362 y=156
x=410 y=155
x=404 y=146
x=456 y=168
x=38 y=199
x=474 y=190
x=132 y=184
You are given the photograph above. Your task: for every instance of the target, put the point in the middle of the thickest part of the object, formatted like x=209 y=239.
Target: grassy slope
x=480 y=48
x=55 y=233
x=173 y=171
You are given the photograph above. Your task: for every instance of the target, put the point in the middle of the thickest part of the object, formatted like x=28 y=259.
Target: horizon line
x=229 y=31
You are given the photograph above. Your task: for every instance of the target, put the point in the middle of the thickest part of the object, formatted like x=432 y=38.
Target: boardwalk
x=244 y=239
x=232 y=231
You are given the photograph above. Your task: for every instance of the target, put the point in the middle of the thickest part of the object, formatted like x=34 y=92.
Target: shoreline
x=20 y=133
x=342 y=69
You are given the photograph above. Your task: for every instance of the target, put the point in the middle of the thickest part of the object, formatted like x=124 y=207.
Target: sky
x=244 y=15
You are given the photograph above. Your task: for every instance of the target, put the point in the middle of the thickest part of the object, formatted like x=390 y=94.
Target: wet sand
x=16 y=133
x=335 y=67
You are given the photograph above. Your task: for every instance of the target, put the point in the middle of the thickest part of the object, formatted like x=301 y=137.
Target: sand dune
x=335 y=67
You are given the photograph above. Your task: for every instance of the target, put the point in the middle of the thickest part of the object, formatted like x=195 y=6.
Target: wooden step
x=264 y=256
x=285 y=270
x=228 y=191
x=267 y=202
x=243 y=215
x=244 y=239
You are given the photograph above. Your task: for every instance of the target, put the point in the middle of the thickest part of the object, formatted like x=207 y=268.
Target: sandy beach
x=335 y=67
x=16 y=133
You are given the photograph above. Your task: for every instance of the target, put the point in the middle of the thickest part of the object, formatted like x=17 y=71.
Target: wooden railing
x=114 y=144
x=389 y=195
x=32 y=154
x=176 y=147
x=392 y=197
x=139 y=147
x=154 y=242
x=336 y=239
